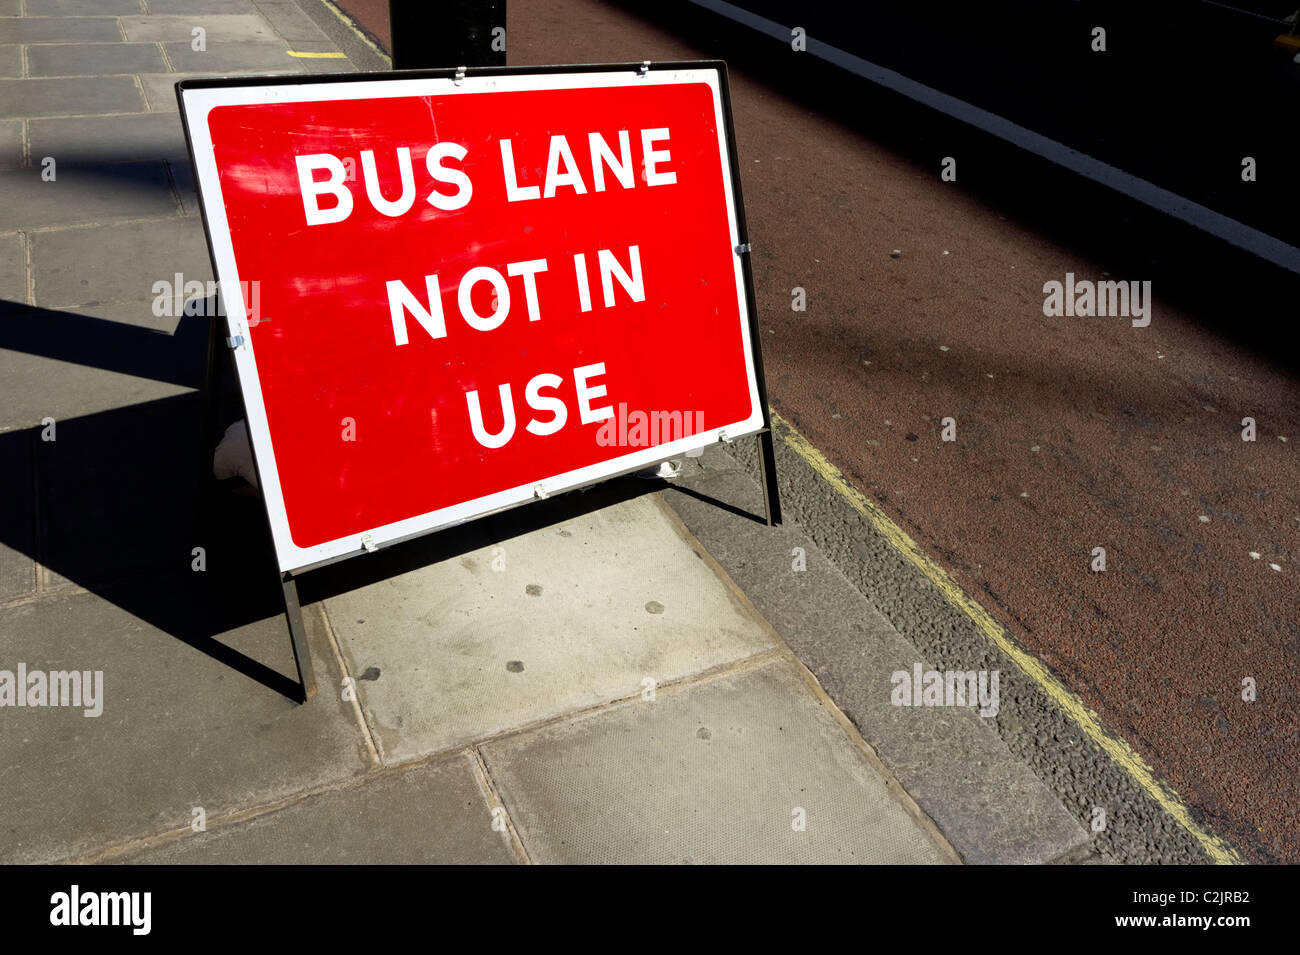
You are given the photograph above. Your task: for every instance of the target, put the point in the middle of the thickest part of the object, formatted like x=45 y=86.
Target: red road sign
x=472 y=291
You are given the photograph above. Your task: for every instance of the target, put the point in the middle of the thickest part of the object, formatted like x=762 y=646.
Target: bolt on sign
x=477 y=287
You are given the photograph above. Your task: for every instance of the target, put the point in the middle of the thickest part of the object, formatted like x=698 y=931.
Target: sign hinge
x=235 y=342
x=743 y=249
x=368 y=543
x=645 y=68
x=460 y=75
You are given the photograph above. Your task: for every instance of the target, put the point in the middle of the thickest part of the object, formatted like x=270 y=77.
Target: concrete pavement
x=583 y=680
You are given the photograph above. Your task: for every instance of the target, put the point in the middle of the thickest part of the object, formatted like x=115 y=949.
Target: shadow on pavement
x=118 y=501
x=129 y=349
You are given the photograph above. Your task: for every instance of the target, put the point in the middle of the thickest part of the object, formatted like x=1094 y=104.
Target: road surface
x=925 y=302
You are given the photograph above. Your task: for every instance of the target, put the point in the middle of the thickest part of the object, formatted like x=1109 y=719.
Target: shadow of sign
x=117 y=502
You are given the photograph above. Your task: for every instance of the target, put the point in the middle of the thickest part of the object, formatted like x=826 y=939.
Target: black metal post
x=209 y=410
x=301 y=652
x=767 y=471
x=432 y=34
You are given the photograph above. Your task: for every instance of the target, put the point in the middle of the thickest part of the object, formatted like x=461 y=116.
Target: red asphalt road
x=1072 y=433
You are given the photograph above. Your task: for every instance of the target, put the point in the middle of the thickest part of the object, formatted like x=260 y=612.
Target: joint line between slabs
x=894 y=787
x=783 y=652
x=1079 y=712
x=236 y=816
x=371 y=746
x=494 y=800
x=674 y=685
x=167 y=62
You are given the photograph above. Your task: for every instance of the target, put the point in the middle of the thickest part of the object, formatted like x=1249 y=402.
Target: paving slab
x=59 y=30
x=82 y=96
x=13 y=268
x=81 y=8
x=987 y=802
x=180 y=728
x=216 y=28
x=219 y=57
x=81 y=192
x=289 y=20
x=11 y=8
x=92 y=140
x=94 y=59
x=432 y=814
x=183 y=179
x=714 y=773
x=581 y=614
x=64 y=363
x=11 y=60
x=11 y=144
x=107 y=474
x=210 y=7
x=160 y=88
x=118 y=262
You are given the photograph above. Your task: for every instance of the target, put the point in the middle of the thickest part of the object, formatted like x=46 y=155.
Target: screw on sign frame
x=482 y=270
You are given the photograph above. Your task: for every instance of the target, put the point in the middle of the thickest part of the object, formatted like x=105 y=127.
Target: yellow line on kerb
x=1074 y=708
x=347 y=21
x=318 y=56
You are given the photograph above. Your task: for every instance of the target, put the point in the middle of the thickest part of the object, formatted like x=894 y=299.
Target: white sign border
x=197 y=103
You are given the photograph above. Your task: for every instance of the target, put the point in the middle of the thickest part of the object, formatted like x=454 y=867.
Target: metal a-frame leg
x=767 y=471
x=301 y=654
x=209 y=406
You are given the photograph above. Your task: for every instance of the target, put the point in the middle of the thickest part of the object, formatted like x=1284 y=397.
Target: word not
x=949 y=688
x=103 y=908
x=640 y=430
x=1103 y=299
x=401 y=300
x=53 y=688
